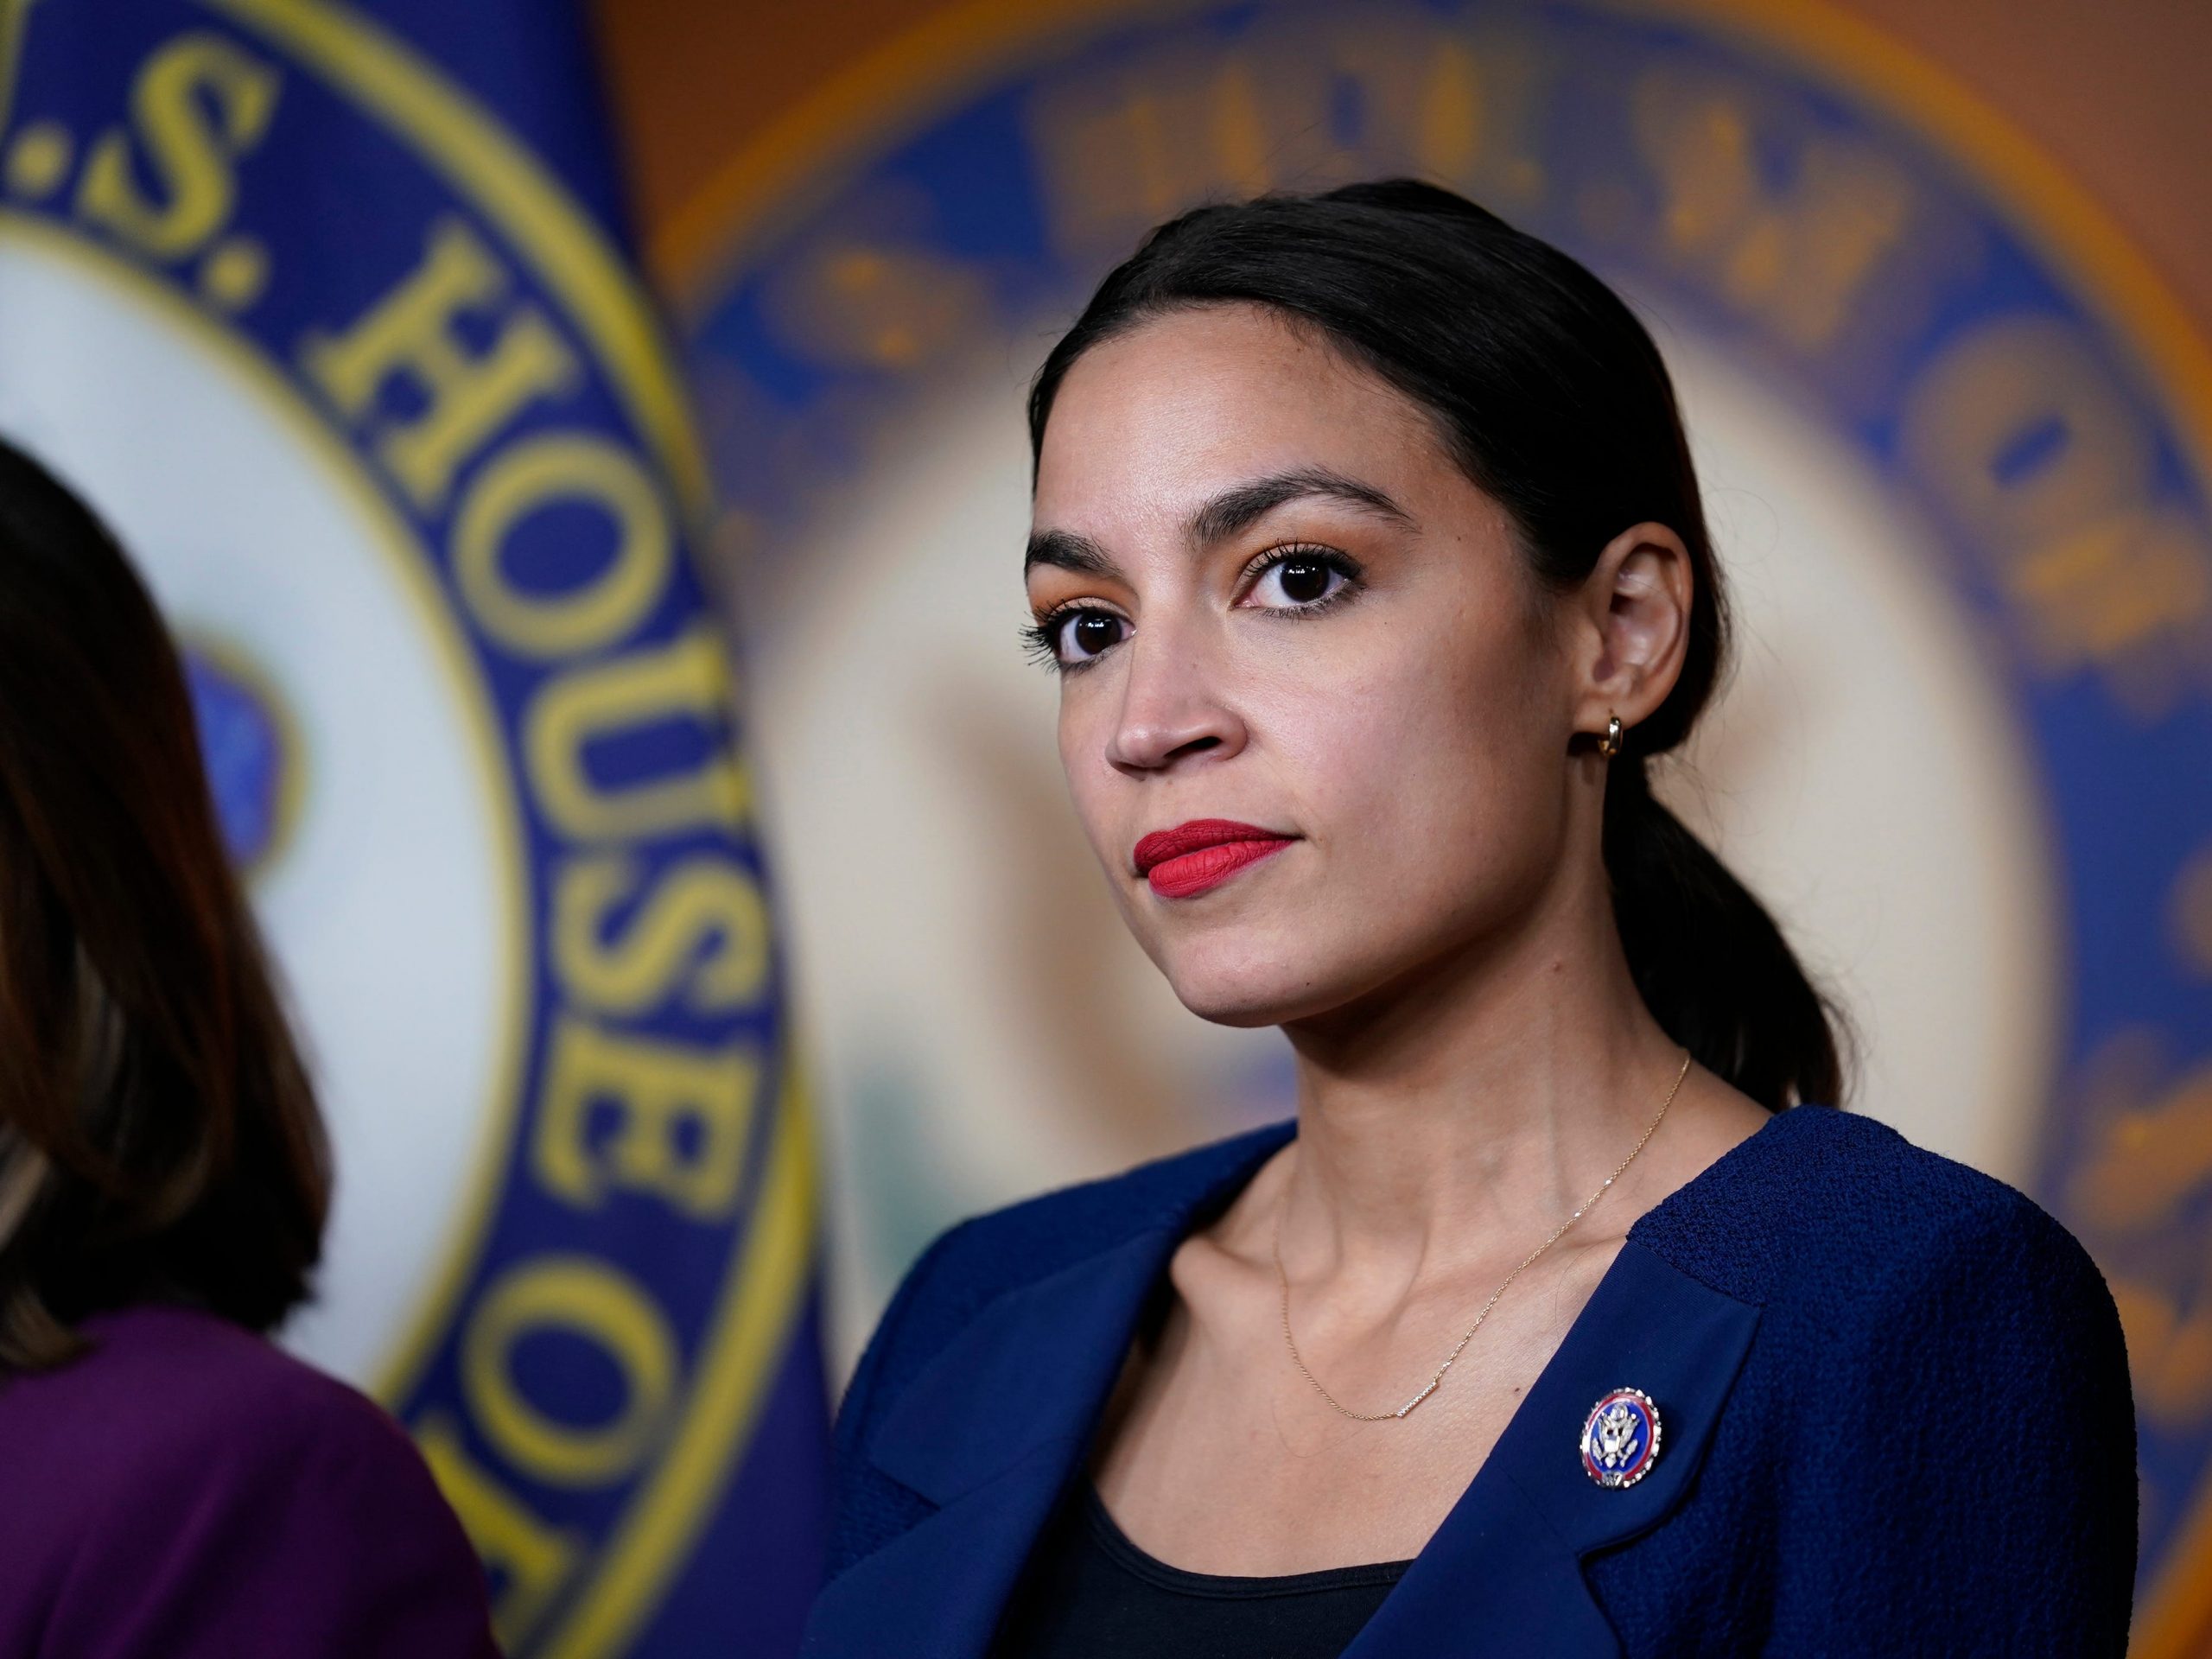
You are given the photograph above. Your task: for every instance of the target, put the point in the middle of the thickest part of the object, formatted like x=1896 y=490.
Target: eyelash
x=1037 y=636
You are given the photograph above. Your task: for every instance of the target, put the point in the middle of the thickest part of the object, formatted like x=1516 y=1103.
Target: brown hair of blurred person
x=159 y=1136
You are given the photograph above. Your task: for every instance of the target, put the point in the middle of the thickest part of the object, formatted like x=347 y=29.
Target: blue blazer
x=1893 y=1397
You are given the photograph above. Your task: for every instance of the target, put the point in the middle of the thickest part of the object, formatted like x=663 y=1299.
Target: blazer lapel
x=1506 y=1567
x=936 y=1590
x=992 y=1428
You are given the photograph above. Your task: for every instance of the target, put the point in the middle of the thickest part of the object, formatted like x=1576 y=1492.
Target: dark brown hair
x=159 y=1138
x=1552 y=397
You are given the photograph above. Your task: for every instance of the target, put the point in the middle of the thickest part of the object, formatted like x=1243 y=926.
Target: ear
x=1633 y=626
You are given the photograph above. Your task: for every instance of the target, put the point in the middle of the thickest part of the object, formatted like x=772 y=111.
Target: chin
x=1247 y=981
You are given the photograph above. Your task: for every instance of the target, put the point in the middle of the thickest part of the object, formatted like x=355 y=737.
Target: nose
x=1170 y=708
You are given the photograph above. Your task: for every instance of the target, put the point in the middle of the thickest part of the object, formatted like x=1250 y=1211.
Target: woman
x=1366 y=545
x=176 y=1488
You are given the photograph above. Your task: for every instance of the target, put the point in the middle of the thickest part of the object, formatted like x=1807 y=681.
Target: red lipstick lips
x=1183 y=862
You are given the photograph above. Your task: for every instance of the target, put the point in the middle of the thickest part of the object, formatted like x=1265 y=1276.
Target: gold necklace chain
x=1557 y=1234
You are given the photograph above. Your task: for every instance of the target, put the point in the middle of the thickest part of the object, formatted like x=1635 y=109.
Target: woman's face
x=1278 y=603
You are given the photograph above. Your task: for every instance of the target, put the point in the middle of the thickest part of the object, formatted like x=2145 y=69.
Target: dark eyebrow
x=1235 y=509
x=1245 y=505
x=1068 y=551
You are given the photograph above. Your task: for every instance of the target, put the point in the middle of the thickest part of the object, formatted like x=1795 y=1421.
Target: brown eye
x=1301 y=580
x=1084 y=635
x=1304 y=580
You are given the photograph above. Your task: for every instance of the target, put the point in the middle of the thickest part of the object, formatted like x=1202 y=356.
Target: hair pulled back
x=1552 y=397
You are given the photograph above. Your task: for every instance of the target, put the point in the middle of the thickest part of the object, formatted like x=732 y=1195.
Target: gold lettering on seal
x=592 y=1301
x=702 y=928
x=687 y=677
x=413 y=334
x=2134 y=1198
x=2028 y=443
x=1798 y=260
x=198 y=105
x=678 y=1116
x=1301 y=101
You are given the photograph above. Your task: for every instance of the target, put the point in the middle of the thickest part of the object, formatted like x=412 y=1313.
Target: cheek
x=1428 y=762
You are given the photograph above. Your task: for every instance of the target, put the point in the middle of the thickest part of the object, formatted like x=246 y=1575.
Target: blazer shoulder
x=180 y=1450
x=1837 y=1212
x=1908 y=1305
x=159 y=1385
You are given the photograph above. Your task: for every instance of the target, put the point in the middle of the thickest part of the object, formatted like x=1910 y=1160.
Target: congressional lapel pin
x=1620 y=1439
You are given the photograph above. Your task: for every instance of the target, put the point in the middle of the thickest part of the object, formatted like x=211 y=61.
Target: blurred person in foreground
x=175 y=1486
x=1571 y=1315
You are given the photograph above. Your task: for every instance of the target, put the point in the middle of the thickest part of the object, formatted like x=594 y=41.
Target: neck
x=1467 y=1111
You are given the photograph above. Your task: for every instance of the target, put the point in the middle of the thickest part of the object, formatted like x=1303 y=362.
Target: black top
x=1088 y=1592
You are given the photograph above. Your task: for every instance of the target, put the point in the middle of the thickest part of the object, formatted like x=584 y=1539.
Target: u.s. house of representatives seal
x=372 y=401
x=1620 y=1438
x=1954 y=437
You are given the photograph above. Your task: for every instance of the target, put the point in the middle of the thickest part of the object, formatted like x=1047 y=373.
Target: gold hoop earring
x=1609 y=744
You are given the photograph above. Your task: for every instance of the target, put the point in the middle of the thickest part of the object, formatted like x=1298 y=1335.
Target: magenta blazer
x=187 y=1490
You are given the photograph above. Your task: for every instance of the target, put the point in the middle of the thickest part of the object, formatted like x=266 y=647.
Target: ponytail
x=1710 y=965
x=1552 y=398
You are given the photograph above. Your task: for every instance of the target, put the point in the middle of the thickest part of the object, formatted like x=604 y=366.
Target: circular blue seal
x=1895 y=319
x=416 y=484
x=1620 y=1438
